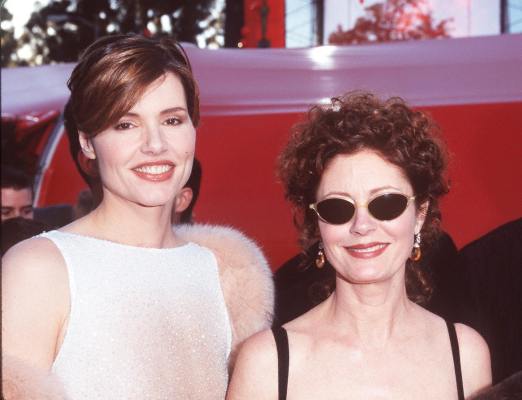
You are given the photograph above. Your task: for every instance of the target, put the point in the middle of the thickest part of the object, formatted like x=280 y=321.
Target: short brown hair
x=109 y=79
x=353 y=122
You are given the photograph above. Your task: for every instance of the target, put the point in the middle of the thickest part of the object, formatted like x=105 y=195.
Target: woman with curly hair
x=365 y=177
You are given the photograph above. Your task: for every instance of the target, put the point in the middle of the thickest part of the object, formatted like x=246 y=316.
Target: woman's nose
x=153 y=140
x=362 y=222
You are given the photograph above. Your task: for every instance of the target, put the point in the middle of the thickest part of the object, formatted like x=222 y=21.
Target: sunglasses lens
x=335 y=211
x=388 y=206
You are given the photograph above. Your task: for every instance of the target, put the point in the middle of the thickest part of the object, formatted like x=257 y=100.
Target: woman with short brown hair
x=118 y=304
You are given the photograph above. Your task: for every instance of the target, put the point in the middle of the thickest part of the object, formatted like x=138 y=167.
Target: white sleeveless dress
x=144 y=323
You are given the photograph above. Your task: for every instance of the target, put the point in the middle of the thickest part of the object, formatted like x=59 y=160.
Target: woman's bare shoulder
x=255 y=371
x=36 y=255
x=471 y=342
x=475 y=359
x=259 y=349
x=35 y=299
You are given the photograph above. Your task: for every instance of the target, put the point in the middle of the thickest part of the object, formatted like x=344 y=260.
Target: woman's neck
x=131 y=224
x=370 y=314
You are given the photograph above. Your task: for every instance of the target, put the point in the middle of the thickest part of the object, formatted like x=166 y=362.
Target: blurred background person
x=17 y=194
x=84 y=204
x=365 y=177
x=14 y=230
x=488 y=284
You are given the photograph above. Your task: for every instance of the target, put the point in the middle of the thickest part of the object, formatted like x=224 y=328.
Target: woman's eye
x=172 y=121
x=123 y=126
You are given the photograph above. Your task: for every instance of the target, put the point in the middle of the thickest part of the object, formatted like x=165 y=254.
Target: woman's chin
x=365 y=275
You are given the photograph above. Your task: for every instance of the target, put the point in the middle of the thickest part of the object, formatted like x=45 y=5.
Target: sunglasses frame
x=313 y=206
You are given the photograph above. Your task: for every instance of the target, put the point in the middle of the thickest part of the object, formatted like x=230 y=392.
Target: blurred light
x=25 y=52
x=111 y=27
x=51 y=31
x=103 y=15
x=70 y=27
x=166 y=26
x=21 y=12
x=325 y=101
x=322 y=56
x=240 y=45
x=6 y=25
x=151 y=26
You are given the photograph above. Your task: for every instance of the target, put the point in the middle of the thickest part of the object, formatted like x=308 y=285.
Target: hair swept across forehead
x=113 y=73
x=109 y=79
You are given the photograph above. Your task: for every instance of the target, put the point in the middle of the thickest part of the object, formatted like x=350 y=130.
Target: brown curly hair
x=360 y=120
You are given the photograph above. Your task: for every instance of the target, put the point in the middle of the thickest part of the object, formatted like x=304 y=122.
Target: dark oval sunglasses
x=384 y=207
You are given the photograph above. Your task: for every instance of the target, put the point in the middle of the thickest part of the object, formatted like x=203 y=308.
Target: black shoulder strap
x=283 y=359
x=456 y=358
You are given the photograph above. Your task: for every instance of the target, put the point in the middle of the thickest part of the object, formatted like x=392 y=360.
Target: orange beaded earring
x=416 y=252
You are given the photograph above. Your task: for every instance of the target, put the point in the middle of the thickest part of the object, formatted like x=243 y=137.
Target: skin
x=181 y=203
x=367 y=340
x=35 y=295
x=17 y=203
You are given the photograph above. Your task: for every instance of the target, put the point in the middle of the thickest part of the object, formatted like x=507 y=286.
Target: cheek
x=113 y=152
x=190 y=145
x=184 y=143
x=331 y=234
x=401 y=230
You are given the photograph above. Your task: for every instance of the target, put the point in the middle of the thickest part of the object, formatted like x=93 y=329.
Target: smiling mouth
x=369 y=250
x=156 y=172
x=154 y=169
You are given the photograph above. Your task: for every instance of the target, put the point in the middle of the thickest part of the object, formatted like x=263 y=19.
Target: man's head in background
x=17 y=194
x=14 y=230
x=187 y=197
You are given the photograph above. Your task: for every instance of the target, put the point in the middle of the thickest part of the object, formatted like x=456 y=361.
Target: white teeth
x=154 y=169
x=368 y=249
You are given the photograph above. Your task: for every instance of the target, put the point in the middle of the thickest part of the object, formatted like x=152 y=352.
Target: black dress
x=283 y=359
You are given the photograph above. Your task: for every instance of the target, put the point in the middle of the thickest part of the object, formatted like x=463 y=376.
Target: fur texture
x=20 y=381
x=246 y=278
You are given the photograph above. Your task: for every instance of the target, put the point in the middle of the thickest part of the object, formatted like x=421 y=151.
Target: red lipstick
x=367 y=250
x=157 y=171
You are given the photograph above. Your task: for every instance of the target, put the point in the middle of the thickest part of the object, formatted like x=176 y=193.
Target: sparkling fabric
x=144 y=323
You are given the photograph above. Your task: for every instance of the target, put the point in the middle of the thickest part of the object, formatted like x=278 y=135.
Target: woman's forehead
x=365 y=170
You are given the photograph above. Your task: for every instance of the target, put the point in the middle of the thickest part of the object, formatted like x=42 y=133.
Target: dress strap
x=283 y=359
x=456 y=358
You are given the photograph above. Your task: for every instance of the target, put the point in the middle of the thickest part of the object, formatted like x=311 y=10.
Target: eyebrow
x=372 y=192
x=162 y=112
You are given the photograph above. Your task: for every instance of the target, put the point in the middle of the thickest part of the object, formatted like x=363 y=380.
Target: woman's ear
x=421 y=215
x=86 y=145
x=181 y=203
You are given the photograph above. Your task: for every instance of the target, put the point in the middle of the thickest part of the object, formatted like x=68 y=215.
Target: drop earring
x=320 y=259
x=416 y=252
